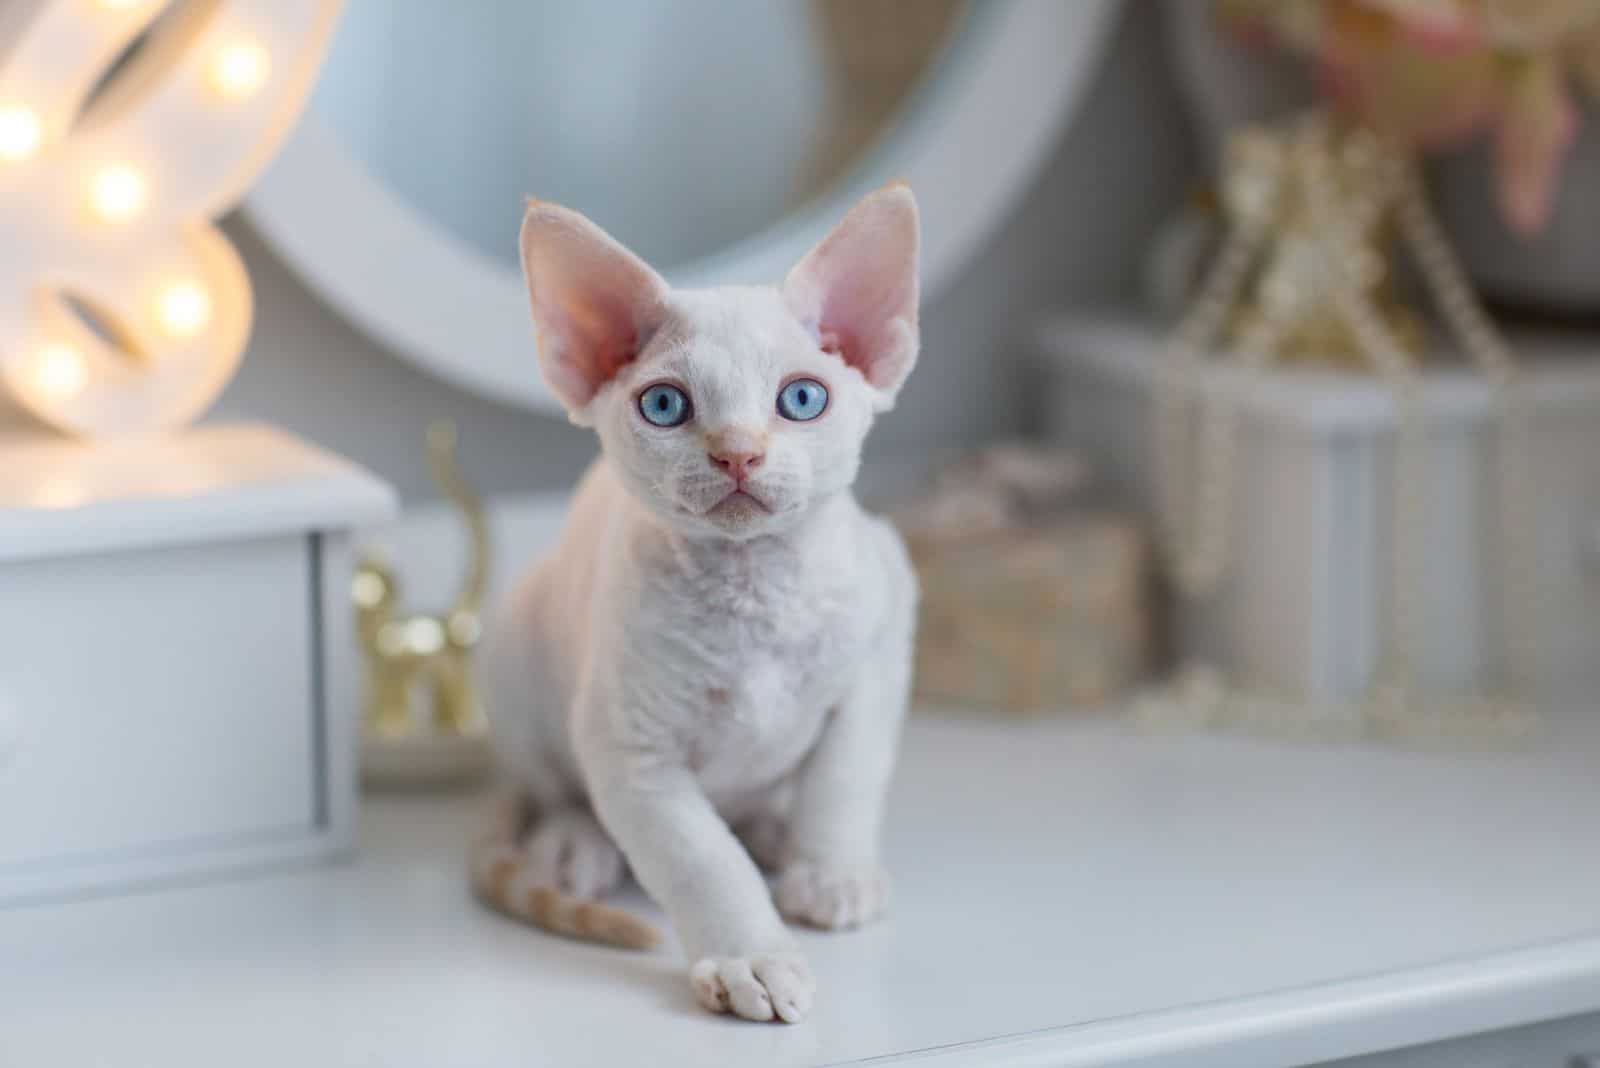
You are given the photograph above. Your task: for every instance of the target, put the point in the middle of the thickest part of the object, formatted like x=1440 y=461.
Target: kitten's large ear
x=595 y=303
x=857 y=290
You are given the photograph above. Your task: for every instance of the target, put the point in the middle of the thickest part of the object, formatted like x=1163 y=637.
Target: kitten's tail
x=498 y=868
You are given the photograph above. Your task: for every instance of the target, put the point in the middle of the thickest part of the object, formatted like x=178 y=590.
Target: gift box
x=1032 y=620
x=1026 y=607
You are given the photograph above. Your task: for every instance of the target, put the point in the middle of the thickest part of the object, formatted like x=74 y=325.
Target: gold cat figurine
x=418 y=677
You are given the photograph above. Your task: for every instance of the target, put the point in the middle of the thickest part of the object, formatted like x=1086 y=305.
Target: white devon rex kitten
x=722 y=637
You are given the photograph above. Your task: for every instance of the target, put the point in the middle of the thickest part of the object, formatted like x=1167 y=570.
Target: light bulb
x=20 y=133
x=59 y=371
x=239 y=69
x=117 y=193
x=120 y=5
x=183 y=309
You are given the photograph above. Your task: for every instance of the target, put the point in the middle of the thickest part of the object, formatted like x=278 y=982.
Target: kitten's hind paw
x=833 y=897
x=571 y=852
x=777 y=986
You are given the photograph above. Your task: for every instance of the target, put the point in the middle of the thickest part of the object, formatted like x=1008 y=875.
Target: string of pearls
x=1459 y=304
x=1193 y=513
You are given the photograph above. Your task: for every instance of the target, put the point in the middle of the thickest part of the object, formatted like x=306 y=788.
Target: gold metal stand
x=422 y=721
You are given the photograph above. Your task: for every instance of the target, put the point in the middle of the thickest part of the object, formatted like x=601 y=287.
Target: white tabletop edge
x=1321 y=1022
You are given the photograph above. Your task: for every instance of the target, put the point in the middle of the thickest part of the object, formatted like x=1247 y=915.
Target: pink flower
x=1586 y=59
x=1436 y=73
x=1536 y=25
x=1533 y=134
x=1434 y=25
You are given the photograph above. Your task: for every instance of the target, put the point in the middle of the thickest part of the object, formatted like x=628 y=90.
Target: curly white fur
x=693 y=664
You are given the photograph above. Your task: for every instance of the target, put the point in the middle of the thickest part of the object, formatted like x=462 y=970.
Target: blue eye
x=802 y=400
x=664 y=405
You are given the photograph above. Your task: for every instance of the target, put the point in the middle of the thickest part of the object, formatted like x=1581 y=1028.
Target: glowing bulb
x=184 y=309
x=20 y=133
x=119 y=5
x=239 y=70
x=60 y=371
x=117 y=193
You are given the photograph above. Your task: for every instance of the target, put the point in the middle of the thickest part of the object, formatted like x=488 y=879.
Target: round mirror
x=498 y=115
x=719 y=141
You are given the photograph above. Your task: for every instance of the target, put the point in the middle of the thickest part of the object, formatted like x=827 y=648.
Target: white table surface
x=1069 y=893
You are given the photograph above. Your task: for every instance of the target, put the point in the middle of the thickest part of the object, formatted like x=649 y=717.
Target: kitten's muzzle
x=738 y=462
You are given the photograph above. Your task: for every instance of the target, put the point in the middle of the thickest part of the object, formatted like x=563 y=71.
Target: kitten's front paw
x=833 y=897
x=776 y=986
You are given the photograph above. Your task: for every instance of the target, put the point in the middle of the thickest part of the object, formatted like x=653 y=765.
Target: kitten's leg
x=744 y=959
x=831 y=876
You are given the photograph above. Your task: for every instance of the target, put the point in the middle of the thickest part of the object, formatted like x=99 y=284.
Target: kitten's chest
x=757 y=647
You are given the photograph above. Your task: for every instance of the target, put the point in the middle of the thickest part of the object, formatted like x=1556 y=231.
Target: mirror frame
x=969 y=139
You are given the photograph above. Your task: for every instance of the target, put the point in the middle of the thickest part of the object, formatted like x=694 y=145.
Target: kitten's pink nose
x=737 y=462
x=736 y=450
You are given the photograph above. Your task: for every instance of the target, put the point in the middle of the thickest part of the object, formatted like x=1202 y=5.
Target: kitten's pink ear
x=857 y=290
x=595 y=303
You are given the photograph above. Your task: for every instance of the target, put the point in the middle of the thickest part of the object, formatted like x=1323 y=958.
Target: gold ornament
x=422 y=717
x=1268 y=184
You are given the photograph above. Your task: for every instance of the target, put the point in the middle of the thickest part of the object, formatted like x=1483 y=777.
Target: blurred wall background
x=1076 y=237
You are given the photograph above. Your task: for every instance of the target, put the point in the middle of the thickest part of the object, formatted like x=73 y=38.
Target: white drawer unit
x=1302 y=608
x=174 y=649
